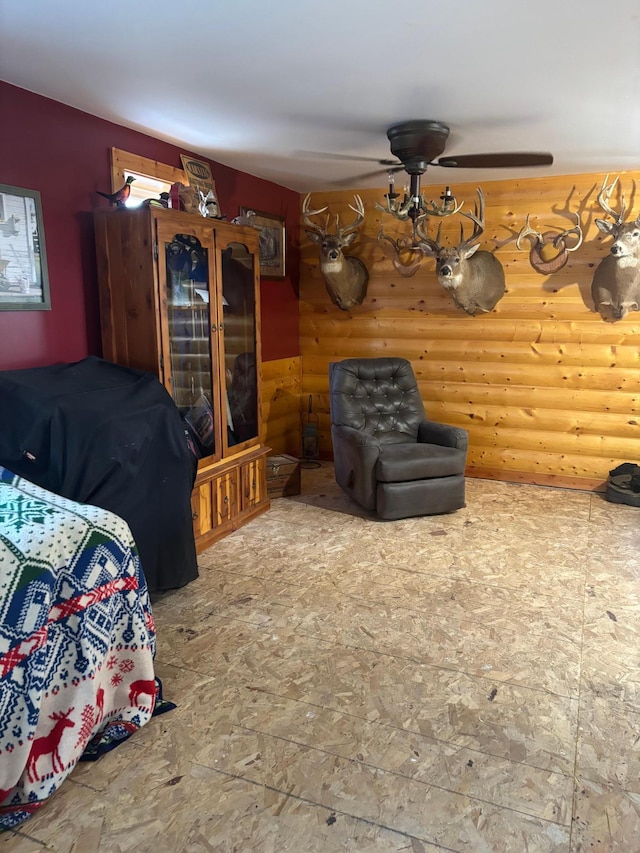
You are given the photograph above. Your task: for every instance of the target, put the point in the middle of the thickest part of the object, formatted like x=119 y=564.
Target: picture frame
x=272 y=240
x=24 y=276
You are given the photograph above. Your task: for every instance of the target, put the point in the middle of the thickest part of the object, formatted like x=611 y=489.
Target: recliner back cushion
x=377 y=395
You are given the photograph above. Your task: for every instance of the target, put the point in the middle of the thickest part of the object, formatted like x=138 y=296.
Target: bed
x=77 y=641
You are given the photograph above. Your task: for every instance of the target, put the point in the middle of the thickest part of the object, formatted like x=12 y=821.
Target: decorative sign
x=198 y=174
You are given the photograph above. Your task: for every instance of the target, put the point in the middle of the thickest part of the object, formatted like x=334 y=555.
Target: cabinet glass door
x=239 y=341
x=190 y=319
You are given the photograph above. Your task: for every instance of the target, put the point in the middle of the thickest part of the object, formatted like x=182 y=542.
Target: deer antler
x=61 y=715
x=442 y=211
x=306 y=213
x=428 y=246
x=342 y=231
x=577 y=230
x=477 y=217
x=401 y=245
x=400 y=209
x=526 y=231
x=603 y=200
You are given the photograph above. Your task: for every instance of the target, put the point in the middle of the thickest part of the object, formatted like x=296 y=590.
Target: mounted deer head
x=541 y=243
x=616 y=282
x=474 y=280
x=346 y=277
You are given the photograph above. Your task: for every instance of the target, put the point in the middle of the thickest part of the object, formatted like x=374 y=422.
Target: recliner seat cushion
x=399 y=463
x=420 y=497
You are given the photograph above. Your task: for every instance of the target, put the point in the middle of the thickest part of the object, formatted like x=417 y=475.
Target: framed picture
x=272 y=240
x=24 y=280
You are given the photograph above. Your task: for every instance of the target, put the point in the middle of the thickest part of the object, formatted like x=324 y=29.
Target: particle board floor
x=467 y=682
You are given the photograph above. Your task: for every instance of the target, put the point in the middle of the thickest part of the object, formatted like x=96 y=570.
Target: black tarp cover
x=111 y=436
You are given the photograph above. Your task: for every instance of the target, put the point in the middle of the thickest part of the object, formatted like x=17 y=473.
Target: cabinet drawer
x=253 y=481
x=202 y=509
x=225 y=497
x=214 y=503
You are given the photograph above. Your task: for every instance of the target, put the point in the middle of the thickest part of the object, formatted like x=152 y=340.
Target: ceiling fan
x=418 y=144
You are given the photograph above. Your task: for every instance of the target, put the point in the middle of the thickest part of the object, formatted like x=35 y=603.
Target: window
x=151 y=177
x=144 y=187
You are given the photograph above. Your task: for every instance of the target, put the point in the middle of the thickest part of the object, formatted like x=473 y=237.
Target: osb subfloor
x=466 y=682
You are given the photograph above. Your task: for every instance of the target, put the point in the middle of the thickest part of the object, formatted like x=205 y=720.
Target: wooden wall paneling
x=281 y=404
x=550 y=392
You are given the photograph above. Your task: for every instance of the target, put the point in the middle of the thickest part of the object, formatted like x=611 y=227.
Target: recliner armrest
x=355 y=454
x=431 y=432
x=357 y=437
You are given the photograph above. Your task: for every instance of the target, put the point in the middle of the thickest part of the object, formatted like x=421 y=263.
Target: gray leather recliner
x=388 y=456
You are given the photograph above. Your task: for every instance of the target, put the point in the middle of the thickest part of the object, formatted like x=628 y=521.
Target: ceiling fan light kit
x=418 y=143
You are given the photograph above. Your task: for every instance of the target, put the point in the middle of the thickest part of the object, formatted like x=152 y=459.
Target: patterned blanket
x=77 y=640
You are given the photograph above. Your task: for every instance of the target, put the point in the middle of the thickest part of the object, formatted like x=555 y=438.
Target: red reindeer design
x=48 y=744
x=136 y=688
x=99 y=705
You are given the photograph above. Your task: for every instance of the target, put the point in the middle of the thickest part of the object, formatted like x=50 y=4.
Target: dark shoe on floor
x=624 y=489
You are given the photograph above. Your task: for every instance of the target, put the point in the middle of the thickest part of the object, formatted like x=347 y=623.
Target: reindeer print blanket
x=76 y=640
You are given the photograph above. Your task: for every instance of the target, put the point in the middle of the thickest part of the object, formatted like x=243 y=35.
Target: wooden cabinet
x=179 y=297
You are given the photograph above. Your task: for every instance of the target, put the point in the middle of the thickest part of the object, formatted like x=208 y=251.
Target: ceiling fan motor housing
x=417 y=143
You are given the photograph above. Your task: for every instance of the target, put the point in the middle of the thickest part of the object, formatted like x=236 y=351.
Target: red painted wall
x=64 y=154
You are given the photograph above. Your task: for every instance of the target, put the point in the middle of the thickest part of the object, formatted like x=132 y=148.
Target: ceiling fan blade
x=328 y=156
x=496 y=161
x=353 y=181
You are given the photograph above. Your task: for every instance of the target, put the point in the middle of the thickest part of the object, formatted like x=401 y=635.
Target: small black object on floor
x=623 y=484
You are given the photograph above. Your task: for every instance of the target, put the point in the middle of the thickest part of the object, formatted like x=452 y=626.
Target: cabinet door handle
x=194 y=516
x=214 y=328
x=221 y=326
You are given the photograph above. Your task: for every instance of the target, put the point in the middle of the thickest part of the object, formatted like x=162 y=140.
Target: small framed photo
x=271 y=239
x=24 y=279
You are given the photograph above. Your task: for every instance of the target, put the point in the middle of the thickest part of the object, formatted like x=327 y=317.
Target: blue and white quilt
x=77 y=640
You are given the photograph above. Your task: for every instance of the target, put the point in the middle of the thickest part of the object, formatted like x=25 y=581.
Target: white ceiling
x=257 y=85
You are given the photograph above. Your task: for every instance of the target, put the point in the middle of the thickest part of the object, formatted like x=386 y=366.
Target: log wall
x=281 y=406
x=549 y=391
